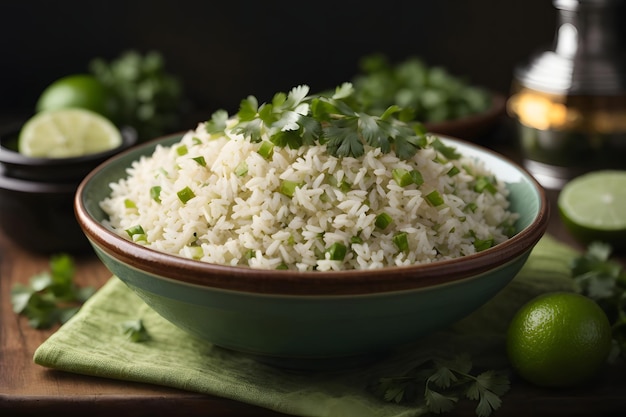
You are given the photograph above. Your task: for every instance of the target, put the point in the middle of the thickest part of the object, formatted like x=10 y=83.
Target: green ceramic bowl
x=301 y=318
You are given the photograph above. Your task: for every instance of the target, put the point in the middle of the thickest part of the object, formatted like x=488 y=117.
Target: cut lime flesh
x=593 y=207
x=67 y=133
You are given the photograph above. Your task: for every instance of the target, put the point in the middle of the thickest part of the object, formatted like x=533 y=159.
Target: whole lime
x=77 y=91
x=558 y=339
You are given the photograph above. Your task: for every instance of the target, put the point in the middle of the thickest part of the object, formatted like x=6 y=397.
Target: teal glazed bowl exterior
x=294 y=318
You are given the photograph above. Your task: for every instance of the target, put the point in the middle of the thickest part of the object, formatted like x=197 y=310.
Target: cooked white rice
x=244 y=219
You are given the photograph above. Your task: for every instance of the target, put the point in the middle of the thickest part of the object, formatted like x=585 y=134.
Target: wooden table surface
x=29 y=389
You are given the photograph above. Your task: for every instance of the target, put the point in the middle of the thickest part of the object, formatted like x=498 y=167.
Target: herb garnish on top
x=338 y=121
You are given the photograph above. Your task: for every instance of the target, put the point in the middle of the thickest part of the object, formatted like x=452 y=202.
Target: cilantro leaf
x=447 y=151
x=603 y=279
x=343 y=138
x=135 y=331
x=51 y=296
x=336 y=120
x=440 y=383
x=438 y=402
x=248 y=109
x=217 y=123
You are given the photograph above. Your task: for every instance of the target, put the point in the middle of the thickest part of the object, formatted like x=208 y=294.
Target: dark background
x=224 y=51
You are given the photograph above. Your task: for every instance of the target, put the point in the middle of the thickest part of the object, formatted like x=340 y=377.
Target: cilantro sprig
x=145 y=95
x=51 y=297
x=337 y=120
x=440 y=383
x=603 y=279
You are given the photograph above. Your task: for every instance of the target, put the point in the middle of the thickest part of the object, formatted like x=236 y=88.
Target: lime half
x=65 y=133
x=593 y=207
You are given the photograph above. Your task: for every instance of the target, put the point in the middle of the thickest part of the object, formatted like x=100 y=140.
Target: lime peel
x=559 y=339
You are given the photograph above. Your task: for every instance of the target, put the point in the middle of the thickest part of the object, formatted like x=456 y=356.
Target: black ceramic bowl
x=73 y=169
x=36 y=196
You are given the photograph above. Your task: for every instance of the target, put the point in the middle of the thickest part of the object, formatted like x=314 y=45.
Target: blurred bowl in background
x=474 y=126
x=36 y=196
x=38 y=216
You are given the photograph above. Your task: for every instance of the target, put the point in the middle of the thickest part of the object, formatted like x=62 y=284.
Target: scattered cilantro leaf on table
x=603 y=279
x=441 y=383
x=51 y=297
x=135 y=331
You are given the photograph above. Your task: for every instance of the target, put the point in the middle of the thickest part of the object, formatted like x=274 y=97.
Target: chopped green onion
x=337 y=251
x=288 y=188
x=181 y=150
x=402 y=177
x=185 y=194
x=241 y=169
x=471 y=206
x=434 y=198
x=401 y=241
x=382 y=221
x=485 y=184
x=155 y=193
x=129 y=203
x=341 y=185
x=482 y=244
x=417 y=177
x=448 y=151
x=282 y=266
x=250 y=253
x=453 y=171
x=135 y=230
x=136 y=233
x=356 y=240
x=200 y=160
x=266 y=150
x=195 y=251
x=508 y=229
x=196 y=140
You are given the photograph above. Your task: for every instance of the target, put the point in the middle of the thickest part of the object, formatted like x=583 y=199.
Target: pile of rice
x=232 y=210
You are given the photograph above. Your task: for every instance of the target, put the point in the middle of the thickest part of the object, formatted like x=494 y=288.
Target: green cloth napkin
x=92 y=343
